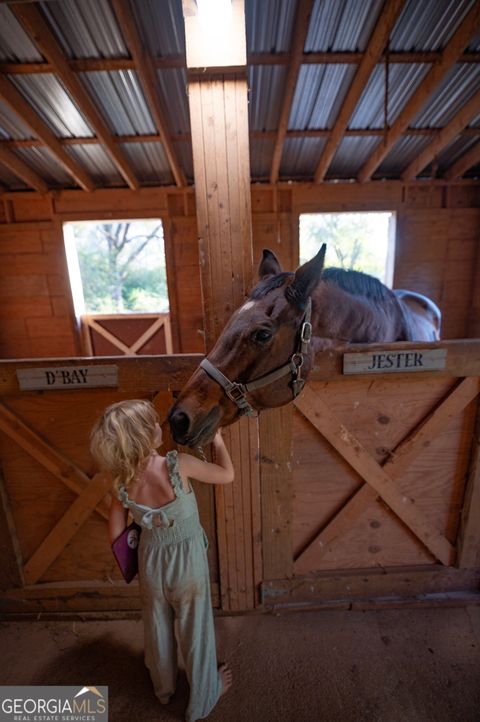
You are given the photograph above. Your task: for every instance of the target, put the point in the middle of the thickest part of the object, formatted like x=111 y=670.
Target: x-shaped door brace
x=146 y=336
x=380 y=479
x=91 y=491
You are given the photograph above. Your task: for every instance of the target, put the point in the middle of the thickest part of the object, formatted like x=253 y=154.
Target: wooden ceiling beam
x=91 y=65
x=371 y=57
x=147 y=75
x=33 y=22
x=17 y=166
x=449 y=57
x=304 y=11
x=470 y=132
x=444 y=137
x=464 y=163
x=24 y=110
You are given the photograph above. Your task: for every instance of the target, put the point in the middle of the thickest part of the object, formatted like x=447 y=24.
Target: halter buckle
x=306 y=333
x=235 y=392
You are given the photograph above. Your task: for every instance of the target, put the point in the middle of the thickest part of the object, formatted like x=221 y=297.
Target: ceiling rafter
x=33 y=22
x=89 y=65
x=24 y=110
x=254 y=135
x=444 y=137
x=302 y=20
x=464 y=163
x=371 y=57
x=449 y=57
x=147 y=76
x=23 y=171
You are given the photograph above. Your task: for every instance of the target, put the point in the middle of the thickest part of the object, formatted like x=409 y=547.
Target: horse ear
x=306 y=278
x=269 y=265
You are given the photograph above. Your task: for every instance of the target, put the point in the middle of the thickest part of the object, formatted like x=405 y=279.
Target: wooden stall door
x=55 y=507
x=380 y=467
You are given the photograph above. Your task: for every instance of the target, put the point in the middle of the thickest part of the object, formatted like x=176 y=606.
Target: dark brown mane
x=358 y=284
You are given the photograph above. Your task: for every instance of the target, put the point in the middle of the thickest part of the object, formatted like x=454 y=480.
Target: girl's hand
x=218 y=439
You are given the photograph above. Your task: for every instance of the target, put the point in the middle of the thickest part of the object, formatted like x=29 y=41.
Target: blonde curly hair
x=123 y=438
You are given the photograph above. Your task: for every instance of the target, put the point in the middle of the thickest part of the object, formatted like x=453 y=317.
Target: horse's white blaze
x=246 y=306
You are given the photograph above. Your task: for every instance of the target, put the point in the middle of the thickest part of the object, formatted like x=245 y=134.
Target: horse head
x=260 y=360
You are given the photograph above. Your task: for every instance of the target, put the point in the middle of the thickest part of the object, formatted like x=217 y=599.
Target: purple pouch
x=125 y=550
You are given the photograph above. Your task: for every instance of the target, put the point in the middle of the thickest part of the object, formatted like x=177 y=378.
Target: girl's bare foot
x=226 y=676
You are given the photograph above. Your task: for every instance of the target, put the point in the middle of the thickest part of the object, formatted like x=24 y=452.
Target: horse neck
x=338 y=314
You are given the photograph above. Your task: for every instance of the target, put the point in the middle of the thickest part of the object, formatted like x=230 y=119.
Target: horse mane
x=358 y=284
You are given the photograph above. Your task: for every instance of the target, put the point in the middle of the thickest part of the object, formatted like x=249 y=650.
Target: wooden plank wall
x=36 y=310
x=436 y=252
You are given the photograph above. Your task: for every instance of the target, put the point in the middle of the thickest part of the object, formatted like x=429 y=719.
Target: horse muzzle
x=190 y=429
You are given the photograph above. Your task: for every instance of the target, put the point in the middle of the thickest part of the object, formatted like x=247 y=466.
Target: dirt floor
x=410 y=665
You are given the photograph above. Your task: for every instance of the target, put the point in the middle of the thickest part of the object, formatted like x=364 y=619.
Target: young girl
x=173 y=571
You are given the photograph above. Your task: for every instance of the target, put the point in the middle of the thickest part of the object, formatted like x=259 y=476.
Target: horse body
x=263 y=335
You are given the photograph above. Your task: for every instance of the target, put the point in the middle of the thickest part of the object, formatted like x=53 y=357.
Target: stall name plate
x=385 y=362
x=67 y=377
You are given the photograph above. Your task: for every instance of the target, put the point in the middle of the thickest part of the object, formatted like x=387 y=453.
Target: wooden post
x=219 y=121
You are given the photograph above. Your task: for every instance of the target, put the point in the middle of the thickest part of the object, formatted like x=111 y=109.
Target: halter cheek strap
x=237 y=391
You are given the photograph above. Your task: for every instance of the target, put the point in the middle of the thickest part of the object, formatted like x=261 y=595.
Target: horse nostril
x=180 y=423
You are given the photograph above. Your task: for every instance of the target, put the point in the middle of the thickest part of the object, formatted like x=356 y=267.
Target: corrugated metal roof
x=403 y=80
x=351 y=154
x=427 y=24
x=120 y=98
x=269 y=25
x=174 y=97
x=11 y=126
x=183 y=150
x=148 y=161
x=261 y=152
x=343 y=25
x=266 y=84
x=44 y=163
x=15 y=45
x=300 y=157
x=10 y=181
x=86 y=29
x=161 y=25
x=89 y=29
x=454 y=151
x=98 y=164
x=401 y=155
x=52 y=103
x=459 y=84
x=318 y=95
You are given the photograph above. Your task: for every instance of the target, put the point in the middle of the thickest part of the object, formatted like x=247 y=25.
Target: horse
x=269 y=344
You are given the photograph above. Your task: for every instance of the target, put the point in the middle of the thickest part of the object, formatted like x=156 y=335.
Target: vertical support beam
x=277 y=492
x=219 y=121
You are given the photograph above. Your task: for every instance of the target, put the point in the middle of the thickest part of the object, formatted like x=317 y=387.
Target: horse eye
x=262 y=335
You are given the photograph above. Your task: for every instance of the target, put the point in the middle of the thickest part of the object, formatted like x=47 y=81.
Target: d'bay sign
x=67 y=377
x=385 y=362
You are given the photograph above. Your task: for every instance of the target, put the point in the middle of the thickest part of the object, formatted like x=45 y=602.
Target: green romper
x=174 y=582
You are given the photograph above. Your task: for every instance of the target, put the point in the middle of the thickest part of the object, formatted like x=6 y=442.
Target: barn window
x=118 y=279
x=360 y=241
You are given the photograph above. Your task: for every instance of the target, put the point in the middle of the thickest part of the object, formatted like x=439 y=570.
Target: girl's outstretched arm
x=118 y=518
x=222 y=472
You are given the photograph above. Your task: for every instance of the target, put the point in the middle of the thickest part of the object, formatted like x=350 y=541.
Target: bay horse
x=264 y=354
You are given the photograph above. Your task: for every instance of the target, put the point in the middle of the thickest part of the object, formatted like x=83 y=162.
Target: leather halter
x=237 y=391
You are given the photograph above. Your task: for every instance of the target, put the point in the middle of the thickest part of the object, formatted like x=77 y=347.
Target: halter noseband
x=237 y=392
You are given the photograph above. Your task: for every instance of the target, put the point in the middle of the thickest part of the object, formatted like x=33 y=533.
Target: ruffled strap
x=123 y=496
x=174 y=473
